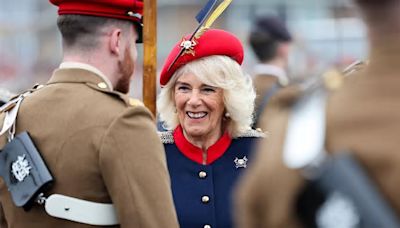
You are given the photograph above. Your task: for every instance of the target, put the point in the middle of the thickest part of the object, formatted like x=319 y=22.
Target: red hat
x=212 y=42
x=131 y=10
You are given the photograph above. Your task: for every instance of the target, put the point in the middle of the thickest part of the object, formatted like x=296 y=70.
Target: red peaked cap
x=212 y=42
x=131 y=10
x=103 y=8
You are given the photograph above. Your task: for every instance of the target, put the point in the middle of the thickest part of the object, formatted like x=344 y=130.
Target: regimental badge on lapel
x=20 y=168
x=241 y=162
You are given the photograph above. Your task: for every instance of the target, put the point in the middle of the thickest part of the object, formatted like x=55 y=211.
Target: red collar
x=195 y=153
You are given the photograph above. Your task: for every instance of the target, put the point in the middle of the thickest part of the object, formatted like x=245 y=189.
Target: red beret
x=131 y=10
x=212 y=42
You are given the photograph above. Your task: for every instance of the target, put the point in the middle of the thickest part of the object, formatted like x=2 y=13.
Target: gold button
x=202 y=174
x=207 y=226
x=205 y=199
x=102 y=85
x=134 y=102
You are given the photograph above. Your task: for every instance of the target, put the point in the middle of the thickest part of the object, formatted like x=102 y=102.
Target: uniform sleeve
x=265 y=194
x=248 y=210
x=133 y=165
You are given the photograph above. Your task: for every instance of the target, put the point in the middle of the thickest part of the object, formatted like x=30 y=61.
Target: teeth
x=197 y=115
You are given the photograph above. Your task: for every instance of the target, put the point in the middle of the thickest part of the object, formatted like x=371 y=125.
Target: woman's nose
x=194 y=98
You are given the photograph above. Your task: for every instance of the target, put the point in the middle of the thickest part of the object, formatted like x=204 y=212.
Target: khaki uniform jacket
x=100 y=147
x=262 y=84
x=362 y=117
x=255 y=206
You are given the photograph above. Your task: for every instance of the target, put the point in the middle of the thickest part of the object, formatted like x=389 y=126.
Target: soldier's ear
x=115 y=41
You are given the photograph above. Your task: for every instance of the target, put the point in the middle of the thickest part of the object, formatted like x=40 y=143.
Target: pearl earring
x=227 y=115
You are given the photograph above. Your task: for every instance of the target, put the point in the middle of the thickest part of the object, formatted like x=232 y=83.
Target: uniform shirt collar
x=84 y=66
x=195 y=153
x=272 y=70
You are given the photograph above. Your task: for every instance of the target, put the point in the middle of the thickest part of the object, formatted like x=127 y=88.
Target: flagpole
x=150 y=54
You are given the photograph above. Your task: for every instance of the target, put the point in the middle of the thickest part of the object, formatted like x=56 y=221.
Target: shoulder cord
x=11 y=116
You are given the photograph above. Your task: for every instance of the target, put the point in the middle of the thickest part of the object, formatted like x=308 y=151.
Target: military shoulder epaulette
x=334 y=79
x=135 y=102
x=166 y=137
x=102 y=87
x=251 y=133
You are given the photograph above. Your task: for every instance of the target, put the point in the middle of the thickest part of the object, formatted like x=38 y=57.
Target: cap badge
x=241 y=162
x=188 y=46
x=206 y=17
x=132 y=14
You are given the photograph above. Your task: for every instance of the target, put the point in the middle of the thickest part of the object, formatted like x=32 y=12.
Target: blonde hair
x=218 y=71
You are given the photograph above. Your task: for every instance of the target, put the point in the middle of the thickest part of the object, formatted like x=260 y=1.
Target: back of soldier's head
x=83 y=31
x=266 y=34
x=83 y=23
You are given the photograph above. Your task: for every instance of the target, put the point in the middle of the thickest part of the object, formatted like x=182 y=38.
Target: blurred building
x=327 y=33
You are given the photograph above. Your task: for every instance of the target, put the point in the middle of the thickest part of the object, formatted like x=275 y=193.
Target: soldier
x=361 y=117
x=270 y=41
x=100 y=146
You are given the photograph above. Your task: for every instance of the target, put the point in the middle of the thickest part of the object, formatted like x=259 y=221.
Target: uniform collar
x=272 y=70
x=78 y=75
x=195 y=153
x=84 y=66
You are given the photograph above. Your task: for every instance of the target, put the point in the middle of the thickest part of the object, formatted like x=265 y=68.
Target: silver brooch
x=188 y=46
x=20 y=168
x=241 y=162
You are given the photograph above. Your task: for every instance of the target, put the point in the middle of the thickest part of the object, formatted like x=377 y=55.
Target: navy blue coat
x=203 y=193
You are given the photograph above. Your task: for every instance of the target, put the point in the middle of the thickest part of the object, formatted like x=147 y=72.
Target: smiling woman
x=206 y=104
x=221 y=74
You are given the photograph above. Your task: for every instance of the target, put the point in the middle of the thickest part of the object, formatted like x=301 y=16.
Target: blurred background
x=327 y=34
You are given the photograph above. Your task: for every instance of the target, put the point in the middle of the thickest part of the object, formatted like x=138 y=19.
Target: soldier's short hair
x=266 y=34
x=83 y=31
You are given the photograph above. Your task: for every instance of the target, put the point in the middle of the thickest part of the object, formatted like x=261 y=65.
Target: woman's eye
x=208 y=89
x=183 y=88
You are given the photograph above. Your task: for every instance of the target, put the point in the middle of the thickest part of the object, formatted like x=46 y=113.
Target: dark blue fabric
x=205 y=11
x=188 y=188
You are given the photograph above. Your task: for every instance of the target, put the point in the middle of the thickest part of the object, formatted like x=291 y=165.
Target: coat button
x=202 y=174
x=205 y=199
x=206 y=226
